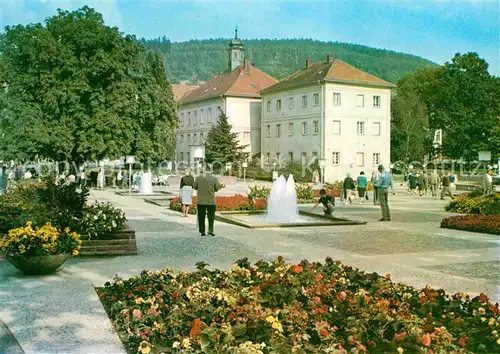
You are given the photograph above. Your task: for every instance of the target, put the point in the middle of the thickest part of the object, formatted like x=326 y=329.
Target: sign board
x=130 y=159
x=484 y=155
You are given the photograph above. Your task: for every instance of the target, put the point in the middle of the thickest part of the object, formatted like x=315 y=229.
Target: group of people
x=423 y=183
x=206 y=186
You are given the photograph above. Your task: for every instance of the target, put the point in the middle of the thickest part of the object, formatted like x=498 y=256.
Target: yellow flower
x=186 y=343
x=498 y=341
x=492 y=321
x=75 y=253
x=271 y=319
x=277 y=326
x=483 y=319
x=400 y=350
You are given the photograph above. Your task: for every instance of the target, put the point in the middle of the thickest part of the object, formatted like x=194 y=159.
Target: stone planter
x=119 y=243
x=38 y=264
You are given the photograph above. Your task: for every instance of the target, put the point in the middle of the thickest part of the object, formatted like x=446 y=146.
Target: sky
x=432 y=29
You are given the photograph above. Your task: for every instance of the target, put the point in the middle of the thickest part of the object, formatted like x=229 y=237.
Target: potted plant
x=39 y=250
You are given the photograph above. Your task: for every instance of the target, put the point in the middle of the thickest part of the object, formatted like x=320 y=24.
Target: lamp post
x=130 y=160
x=244 y=165
x=322 y=164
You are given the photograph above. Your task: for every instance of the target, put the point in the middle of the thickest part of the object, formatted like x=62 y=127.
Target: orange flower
x=343 y=295
x=398 y=337
x=388 y=276
x=462 y=342
x=195 y=328
x=297 y=269
x=323 y=333
x=137 y=313
x=425 y=340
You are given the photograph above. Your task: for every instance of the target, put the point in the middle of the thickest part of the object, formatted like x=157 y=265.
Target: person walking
x=186 y=192
x=362 y=182
x=349 y=188
x=327 y=201
x=383 y=183
x=3 y=181
x=434 y=180
x=206 y=185
x=421 y=183
x=375 y=178
x=488 y=182
x=446 y=186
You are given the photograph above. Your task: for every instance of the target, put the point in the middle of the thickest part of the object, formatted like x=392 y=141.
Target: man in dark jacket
x=206 y=185
x=349 y=188
x=446 y=186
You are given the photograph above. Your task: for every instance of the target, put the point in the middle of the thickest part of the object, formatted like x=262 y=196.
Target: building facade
x=235 y=93
x=331 y=112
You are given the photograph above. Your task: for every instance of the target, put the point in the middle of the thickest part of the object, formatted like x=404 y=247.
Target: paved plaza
x=61 y=313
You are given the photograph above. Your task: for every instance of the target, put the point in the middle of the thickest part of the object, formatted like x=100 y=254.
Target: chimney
x=330 y=58
x=308 y=63
x=246 y=65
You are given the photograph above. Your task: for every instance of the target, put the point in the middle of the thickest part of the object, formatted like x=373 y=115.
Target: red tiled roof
x=181 y=90
x=334 y=70
x=240 y=82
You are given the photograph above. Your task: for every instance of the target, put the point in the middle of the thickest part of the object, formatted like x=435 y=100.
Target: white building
x=236 y=93
x=331 y=111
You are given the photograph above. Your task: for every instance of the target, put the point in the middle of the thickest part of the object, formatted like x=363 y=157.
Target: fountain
x=282 y=202
x=146 y=186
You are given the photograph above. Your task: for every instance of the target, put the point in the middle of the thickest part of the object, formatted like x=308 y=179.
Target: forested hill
x=202 y=59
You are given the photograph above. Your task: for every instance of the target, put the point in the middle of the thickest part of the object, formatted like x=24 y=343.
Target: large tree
x=78 y=90
x=222 y=144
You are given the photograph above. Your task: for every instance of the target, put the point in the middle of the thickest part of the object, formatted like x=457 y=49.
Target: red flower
x=483 y=297
x=463 y=341
x=343 y=295
x=297 y=269
x=388 y=276
x=323 y=333
x=318 y=277
x=195 y=328
x=398 y=337
x=425 y=340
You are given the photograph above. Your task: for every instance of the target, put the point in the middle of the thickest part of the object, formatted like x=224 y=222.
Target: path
x=62 y=314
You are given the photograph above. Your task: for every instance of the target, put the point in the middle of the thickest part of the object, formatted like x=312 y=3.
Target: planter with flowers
x=39 y=250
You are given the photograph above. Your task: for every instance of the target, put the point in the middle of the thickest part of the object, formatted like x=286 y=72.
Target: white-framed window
x=202 y=111
x=360 y=159
x=376 y=101
x=278 y=130
x=181 y=157
x=337 y=99
x=195 y=139
x=202 y=138
x=304 y=101
x=268 y=133
x=290 y=103
x=336 y=158
x=189 y=138
x=269 y=106
x=246 y=135
x=181 y=123
x=360 y=100
x=316 y=99
x=182 y=138
x=376 y=159
x=290 y=129
x=303 y=158
x=360 y=128
x=189 y=119
x=376 y=128
x=268 y=157
x=209 y=115
x=304 y=128
x=278 y=105
x=195 y=117
x=336 y=127
x=315 y=127
x=290 y=156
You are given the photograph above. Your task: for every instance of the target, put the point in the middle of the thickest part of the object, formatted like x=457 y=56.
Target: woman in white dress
x=186 y=192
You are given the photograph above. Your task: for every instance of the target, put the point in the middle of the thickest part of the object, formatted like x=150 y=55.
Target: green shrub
x=466 y=204
x=304 y=193
x=260 y=192
x=101 y=219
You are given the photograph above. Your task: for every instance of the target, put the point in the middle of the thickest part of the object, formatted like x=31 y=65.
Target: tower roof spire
x=236 y=32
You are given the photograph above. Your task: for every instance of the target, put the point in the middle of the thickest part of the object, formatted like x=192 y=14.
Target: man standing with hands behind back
x=383 y=183
x=206 y=185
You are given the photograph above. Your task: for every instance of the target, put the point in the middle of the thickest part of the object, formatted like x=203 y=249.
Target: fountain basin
x=257 y=219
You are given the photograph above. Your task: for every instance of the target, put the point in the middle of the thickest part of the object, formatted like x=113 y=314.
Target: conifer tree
x=222 y=145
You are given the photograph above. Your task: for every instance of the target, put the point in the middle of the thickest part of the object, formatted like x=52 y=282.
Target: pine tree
x=222 y=145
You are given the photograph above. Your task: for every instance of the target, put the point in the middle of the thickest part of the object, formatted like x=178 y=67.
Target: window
x=303 y=158
x=290 y=156
x=182 y=139
x=195 y=139
x=209 y=115
x=290 y=103
x=278 y=130
x=189 y=119
x=290 y=129
x=269 y=106
x=246 y=135
x=360 y=128
x=376 y=159
x=316 y=99
x=376 y=128
x=189 y=157
x=376 y=101
x=189 y=138
x=202 y=138
x=181 y=156
x=360 y=100
x=336 y=158
x=337 y=99
x=195 y=118
x=336 y=127
x=268 y=131
x=304 y=101
x=182 y=120
x=278 y=105
x=304 y=128
x=360 y=159
x=268 y=157
x=278 y=157
x=314 y=156
x=201 y=116
x=315 y=127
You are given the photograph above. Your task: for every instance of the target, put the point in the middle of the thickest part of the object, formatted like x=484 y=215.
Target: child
x=327 y=201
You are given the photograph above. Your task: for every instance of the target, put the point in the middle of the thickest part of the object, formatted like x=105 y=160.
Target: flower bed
x=489 y=224
x=473 y=204
x=274 y=307
x=235 y=202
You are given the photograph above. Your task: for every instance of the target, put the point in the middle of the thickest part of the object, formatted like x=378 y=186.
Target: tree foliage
x=222 y=144
x=202 y=59
x=79 y=90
